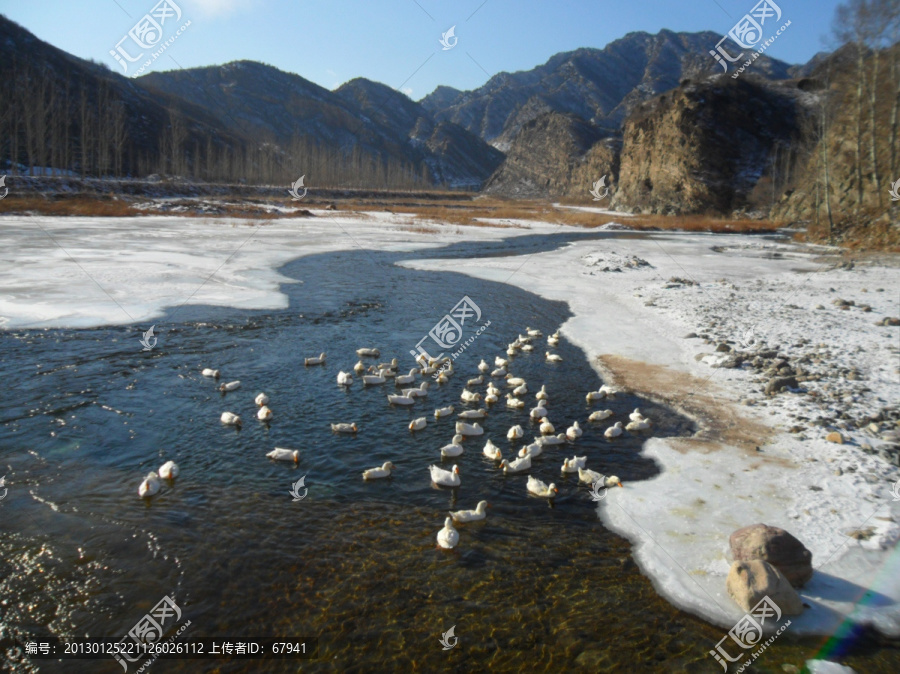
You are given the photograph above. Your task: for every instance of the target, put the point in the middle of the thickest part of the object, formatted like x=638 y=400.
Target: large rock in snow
x=775 y=546
x=748 y=582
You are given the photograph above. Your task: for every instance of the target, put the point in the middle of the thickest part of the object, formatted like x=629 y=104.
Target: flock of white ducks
x=467 y=427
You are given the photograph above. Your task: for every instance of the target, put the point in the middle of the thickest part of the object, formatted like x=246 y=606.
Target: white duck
x=373 y=353
x=500 y=362
x=375 y=473
x=514 y=381
x=539 y=488
x=492 y=451
x=264 y=414
x=150 y=486
x=520 y=390
x=476 y=381
x=549 y=440
x=483 y=367
x=533 y=333
x=614 y=431
x=595 y=395
x=553 y=340
x=442 y=378
x=499 y=372
x=538 y=412
x=230 y=419
x=608 y=390
x=389 y=366
x=443 y=412
x=448 y=537
x=515 y=403
x=209 y=372
x=588 y=476
x=316 y=360
x=542 y=394
x=230 y=386
x=574 y=431
x=169 y=470
x=469 y=397
x=572 y=465
x=527 y=348
x=600 y=415
x=515 y=433
x=344 y=428
x=282 y=454
x=490 y=399
x=359 y=368
x=511 y=352
x=262 y=400
x=533 y=450
x=553 y=357
x=636 y=415
x=640 y=425
x=479 y=513
x=374 y=379
x=473 y=414
x=546 y=427
x=455 y=447
x=445 y=478
x=406 y=379
x=493 y=390
x=418 y=424
x=469 y=429
x=405 y=401
x=516 y=465
x=416 y=392
x=344 y=378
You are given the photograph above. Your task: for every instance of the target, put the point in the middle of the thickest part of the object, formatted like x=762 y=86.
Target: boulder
x=835 y=436
x=748 y=582
x=776 y=547
x=776 y=384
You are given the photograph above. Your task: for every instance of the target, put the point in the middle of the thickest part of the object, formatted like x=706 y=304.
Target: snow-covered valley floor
x=757 y=458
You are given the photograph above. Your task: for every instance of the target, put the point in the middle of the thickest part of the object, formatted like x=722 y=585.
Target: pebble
x=834 y=436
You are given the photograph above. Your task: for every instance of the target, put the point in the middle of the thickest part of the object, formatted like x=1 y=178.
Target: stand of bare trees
x=872 y=28
x=51 y=124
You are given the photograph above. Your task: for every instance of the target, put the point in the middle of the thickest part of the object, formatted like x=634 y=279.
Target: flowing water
x=536 y=587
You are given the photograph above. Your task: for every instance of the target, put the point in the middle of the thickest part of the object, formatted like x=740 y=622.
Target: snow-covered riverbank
x=633 y=321
x=636 y=301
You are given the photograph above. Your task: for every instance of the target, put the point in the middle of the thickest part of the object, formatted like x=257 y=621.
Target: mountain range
x=453 y=138
x=653 y=114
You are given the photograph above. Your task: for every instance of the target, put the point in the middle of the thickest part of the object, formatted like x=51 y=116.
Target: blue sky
x=397 y=41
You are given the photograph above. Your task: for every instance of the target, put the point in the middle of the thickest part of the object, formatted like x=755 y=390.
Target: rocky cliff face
x=598 y=85
x=704 y=147
x=541 y=160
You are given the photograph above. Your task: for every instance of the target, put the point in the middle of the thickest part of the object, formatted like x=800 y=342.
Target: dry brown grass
x=430 y=213
x=78 y=205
